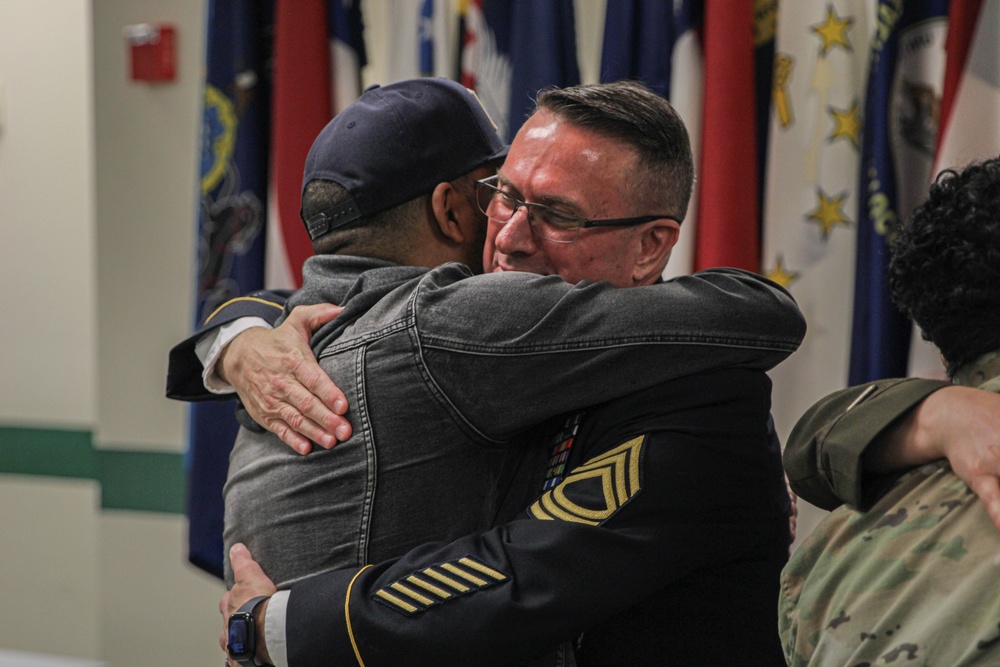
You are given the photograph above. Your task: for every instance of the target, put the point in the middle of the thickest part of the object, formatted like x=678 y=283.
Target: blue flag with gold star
x=231 y=240
x=900 y=131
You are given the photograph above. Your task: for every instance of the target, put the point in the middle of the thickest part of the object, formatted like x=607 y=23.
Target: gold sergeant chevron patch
x=595 y=490
x=437 y=584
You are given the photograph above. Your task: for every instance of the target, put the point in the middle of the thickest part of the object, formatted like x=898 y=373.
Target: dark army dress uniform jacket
x=445 y=373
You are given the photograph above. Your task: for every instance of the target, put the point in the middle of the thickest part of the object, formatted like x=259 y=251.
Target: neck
x=983 y=370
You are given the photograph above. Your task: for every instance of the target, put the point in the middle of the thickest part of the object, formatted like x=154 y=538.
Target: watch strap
x=252 y=603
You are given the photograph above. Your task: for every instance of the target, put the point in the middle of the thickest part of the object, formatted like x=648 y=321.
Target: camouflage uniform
x=912 y=581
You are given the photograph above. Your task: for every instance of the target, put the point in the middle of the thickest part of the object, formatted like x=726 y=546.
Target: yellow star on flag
x=828 y=212
x=780 y=274
x=847 y=124
x=833 y=31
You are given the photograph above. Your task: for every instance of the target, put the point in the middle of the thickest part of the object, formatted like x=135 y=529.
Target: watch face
x=241 y=636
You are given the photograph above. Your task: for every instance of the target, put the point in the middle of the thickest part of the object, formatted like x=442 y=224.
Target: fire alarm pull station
x=151 y=50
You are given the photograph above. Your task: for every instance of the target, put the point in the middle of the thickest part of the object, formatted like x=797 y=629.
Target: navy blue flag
x=764 y=33
x=426 y=38
x=638 y=44
x=542 y=53
x=897 y=153
x=347 y=26
x=230 y=234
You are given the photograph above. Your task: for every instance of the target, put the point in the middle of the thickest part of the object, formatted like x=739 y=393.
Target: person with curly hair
x=907 y=569
x=945 y=268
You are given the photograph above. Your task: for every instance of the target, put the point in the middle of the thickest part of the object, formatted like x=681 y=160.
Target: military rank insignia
x=593 y=491
x=437 y=584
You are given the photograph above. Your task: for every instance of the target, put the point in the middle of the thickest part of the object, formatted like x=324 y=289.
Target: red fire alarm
x=151 y=49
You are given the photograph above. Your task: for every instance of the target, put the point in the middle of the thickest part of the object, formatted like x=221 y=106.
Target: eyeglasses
x=548 y=223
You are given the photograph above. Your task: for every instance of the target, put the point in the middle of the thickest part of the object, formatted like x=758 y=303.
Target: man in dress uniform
x=662 y=513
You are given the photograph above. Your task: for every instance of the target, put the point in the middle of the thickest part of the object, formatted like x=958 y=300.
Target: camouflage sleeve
x=824 y=451
x=184 y=381
x=886 y=586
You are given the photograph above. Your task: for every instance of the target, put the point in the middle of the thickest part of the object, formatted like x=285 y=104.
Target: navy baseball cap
x=398 y=142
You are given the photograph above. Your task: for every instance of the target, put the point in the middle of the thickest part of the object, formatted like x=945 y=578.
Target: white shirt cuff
x=210 y=346
x=274 y=628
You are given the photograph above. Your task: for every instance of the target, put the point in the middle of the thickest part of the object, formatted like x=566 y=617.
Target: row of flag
x=817 y=127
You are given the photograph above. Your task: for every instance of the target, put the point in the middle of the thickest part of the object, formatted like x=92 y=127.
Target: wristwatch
x=243 y=632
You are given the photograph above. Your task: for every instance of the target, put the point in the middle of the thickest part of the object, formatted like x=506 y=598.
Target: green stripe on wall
x=48 y=452
x=130 y=480
x=150 y=481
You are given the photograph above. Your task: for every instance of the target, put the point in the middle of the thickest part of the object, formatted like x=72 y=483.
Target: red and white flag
x=317 y=64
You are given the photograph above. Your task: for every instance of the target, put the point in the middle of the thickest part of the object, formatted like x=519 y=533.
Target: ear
x=655 y=243
x=446 y=203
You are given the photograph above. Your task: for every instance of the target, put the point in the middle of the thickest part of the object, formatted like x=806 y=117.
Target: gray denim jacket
x=446 y=373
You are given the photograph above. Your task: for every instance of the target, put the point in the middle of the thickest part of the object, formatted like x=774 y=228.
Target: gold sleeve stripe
x=465 y=575
x=347 y=616
x=634 y=473
x=576 y=514
x=409 y=592
x=242 y=298
x=485 y=569
x=428 y=586
x=618 y=468
x=557 y=501
x=446 y=580
x=402 y=604
x=536 y=511
x=624 y=460
x=426 y=589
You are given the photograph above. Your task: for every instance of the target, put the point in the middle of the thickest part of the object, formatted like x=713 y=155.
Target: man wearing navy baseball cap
x=468 y=397
x=402 y=146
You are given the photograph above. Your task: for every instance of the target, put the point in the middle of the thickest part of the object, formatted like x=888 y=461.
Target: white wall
x=97 y=178
x=47 y=266
x=47 y=216
x=147 y=170
x=49 y=566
